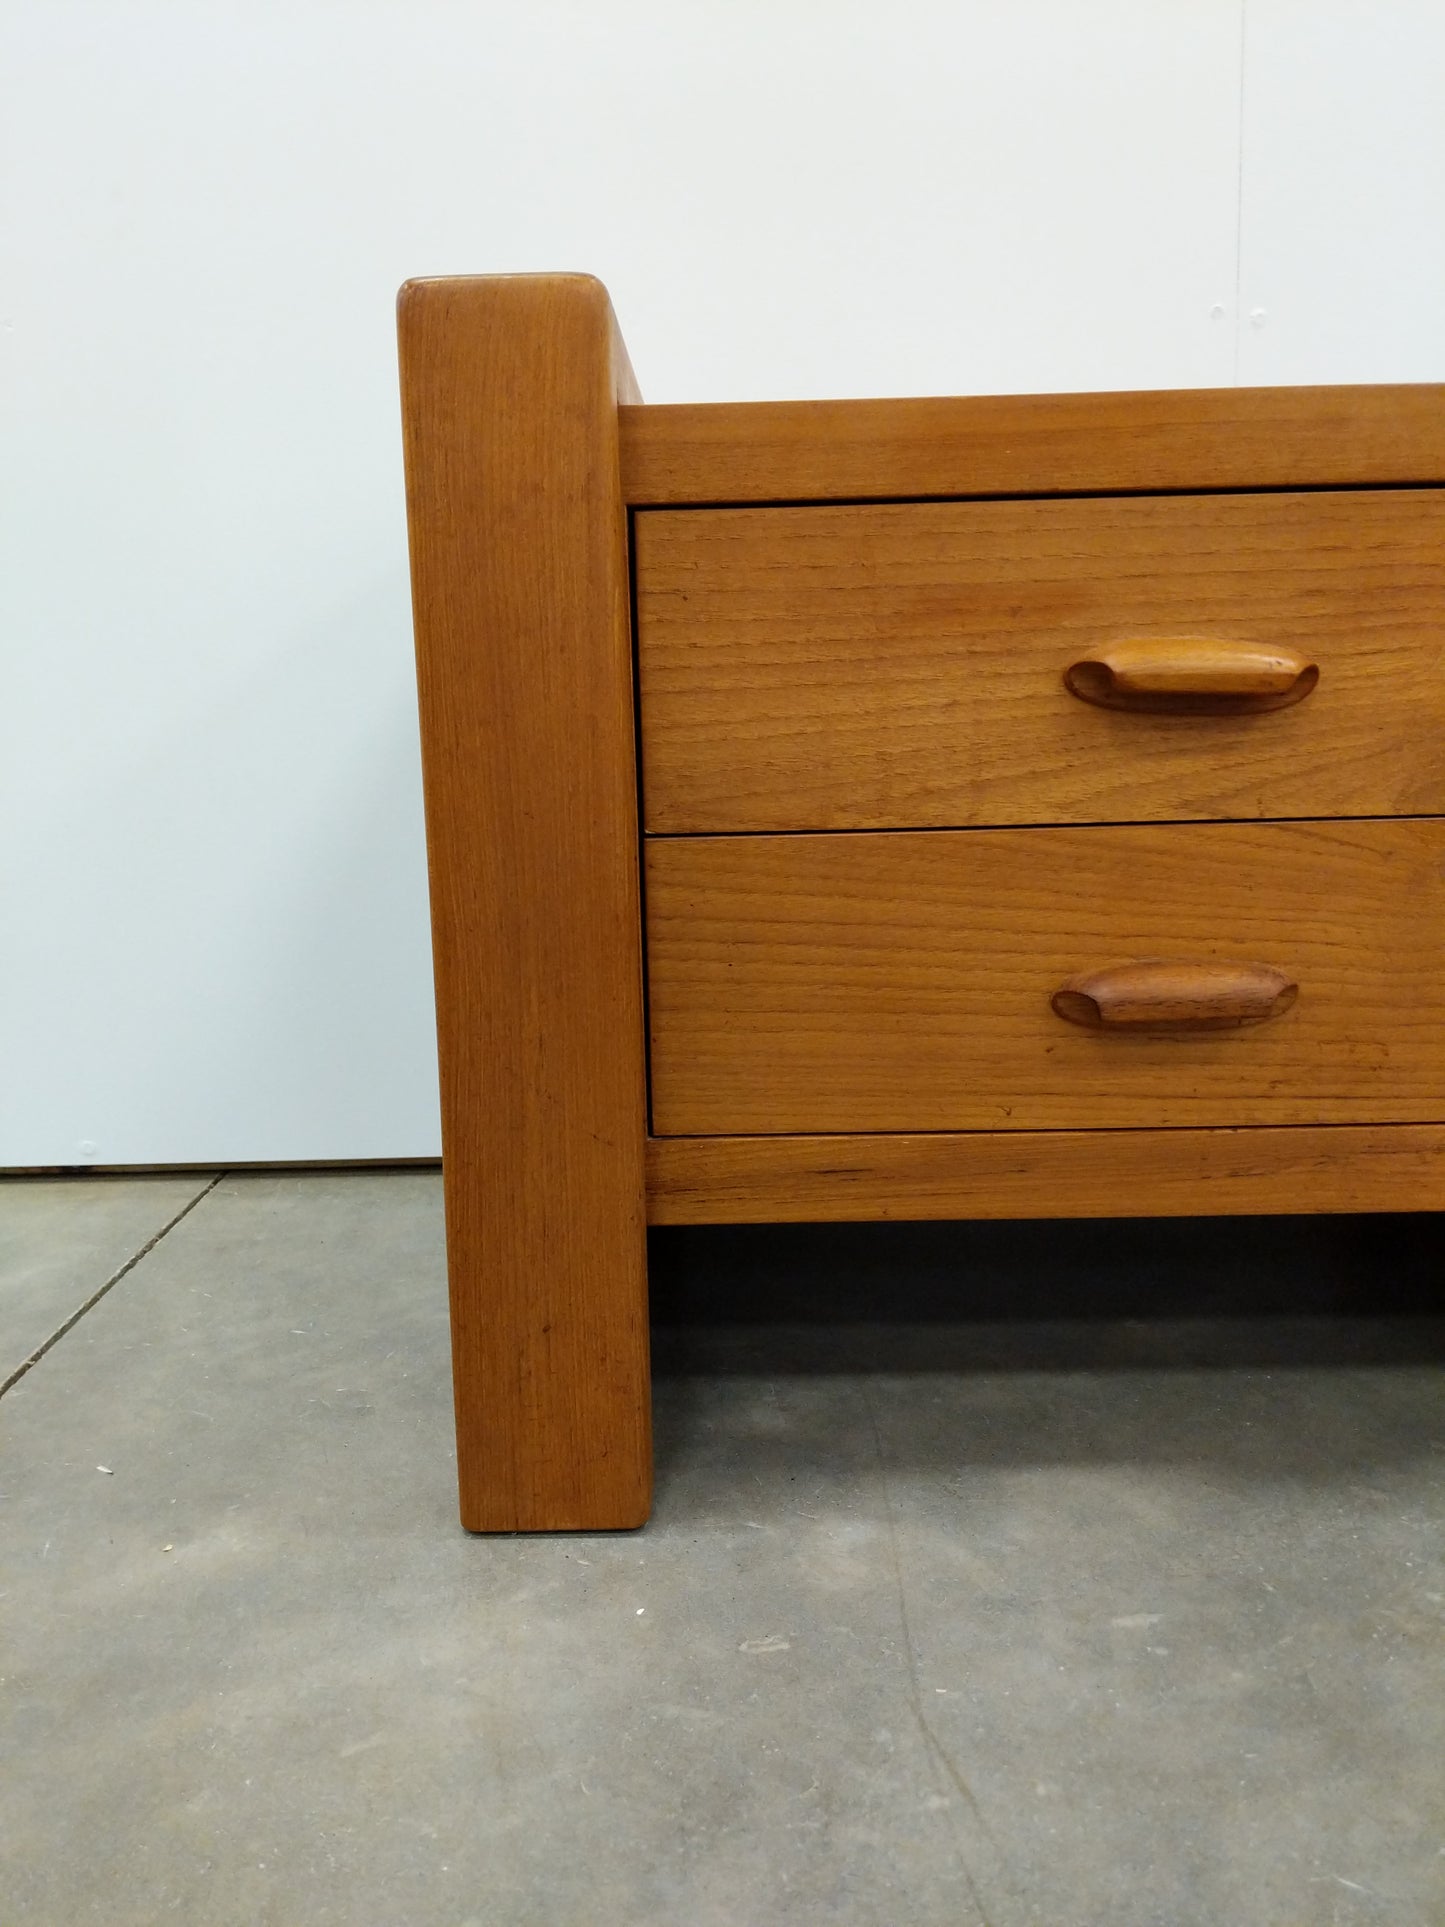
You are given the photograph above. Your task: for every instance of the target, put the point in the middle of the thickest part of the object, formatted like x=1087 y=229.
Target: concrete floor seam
x=69 y=1324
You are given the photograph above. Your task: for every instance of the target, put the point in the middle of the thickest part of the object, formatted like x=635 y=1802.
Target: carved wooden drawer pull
x=1192 y=675
x=1160 y=995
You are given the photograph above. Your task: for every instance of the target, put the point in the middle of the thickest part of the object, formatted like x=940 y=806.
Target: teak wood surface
x=903 y=981
x=856 y=1024
x=1046 y=1174
x=1208 y=438
x=519 y=572
x=903 y=665
x=1193 y=675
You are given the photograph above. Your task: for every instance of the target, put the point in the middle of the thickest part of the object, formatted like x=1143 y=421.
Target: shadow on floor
x=1049 y=1344
x=1252 y=1291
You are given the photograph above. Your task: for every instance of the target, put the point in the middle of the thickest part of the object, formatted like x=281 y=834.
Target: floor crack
x=931 y=1740
x=95 y=1297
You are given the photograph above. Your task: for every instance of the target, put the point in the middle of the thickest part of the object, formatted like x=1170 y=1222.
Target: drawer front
x=903 y=665
x=903 y=982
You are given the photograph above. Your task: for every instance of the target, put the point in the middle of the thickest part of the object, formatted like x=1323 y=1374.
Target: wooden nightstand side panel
x=518 y=543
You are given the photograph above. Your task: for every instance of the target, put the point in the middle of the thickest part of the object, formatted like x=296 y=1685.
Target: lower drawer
x=904 y=981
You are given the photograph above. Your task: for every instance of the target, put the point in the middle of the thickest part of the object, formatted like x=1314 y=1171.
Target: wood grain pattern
x=903 y=665
x=519 y=572
x=902 y=982
x=1046 y=1174
x=823 y=451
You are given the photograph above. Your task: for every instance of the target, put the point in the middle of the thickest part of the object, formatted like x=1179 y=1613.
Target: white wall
x=212 y=883
x=1342 y=255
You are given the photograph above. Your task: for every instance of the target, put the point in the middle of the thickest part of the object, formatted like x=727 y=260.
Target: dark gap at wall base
x=299 y=1166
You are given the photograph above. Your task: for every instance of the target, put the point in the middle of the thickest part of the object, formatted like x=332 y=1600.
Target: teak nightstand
x=898 y=809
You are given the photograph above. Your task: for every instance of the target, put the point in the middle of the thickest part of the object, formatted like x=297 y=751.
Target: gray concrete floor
x=1029 y=1574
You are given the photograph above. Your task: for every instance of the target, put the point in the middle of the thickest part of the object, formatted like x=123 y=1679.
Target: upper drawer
x=902 y=665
